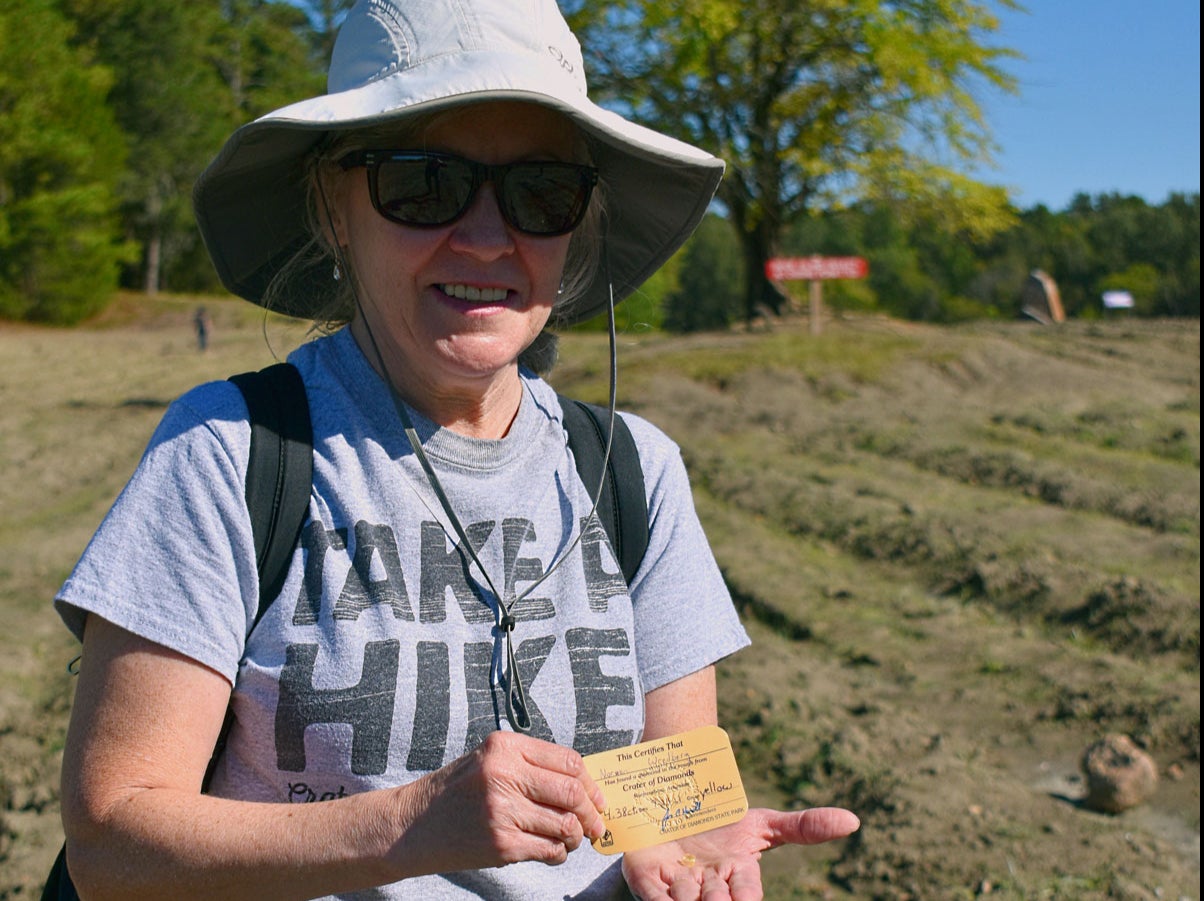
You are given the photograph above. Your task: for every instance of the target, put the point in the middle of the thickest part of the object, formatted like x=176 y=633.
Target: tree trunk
x=154 y=244
x=760 y=294
x=154 y=257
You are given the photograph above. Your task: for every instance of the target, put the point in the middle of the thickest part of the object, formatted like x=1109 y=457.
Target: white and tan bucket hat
x=397 y=58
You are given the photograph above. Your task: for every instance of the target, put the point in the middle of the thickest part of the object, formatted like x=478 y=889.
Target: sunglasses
x=427 y=190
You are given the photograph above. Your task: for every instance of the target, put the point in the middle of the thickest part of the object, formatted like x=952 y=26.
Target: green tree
x=326 y=16
x=265 y=55
x=1139 y=279
x=268 y=55
x=186 y=74
x=811 y=103
x=1152 y=246
x=172 y=107
x=644 y=309
x=60 y=156
x=709 y=294
x=1179 y=293
x=1099 y=242
x=837 y=232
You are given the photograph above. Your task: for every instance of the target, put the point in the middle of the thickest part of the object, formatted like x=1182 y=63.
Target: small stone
x=1119 y=774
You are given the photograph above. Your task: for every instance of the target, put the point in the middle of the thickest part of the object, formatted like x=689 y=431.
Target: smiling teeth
x=469 y=292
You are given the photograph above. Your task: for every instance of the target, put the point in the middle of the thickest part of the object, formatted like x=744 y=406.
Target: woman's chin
x=477 y=357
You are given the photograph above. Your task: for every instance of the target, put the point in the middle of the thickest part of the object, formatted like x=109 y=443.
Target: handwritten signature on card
x=668 y=788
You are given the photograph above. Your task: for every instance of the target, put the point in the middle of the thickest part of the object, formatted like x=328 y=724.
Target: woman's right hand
x=513 y=798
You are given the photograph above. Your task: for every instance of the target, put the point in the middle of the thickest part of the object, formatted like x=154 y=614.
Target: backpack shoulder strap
x=280 y=472
x=622 y=505
x=279 y=478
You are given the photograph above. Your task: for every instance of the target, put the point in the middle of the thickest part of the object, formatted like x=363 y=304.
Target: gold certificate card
x=667 y=788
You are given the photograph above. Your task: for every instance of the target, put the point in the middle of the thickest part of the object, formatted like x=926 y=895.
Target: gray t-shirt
x=379 y=660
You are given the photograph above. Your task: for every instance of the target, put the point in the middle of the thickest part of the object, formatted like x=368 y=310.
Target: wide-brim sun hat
x=398 y=58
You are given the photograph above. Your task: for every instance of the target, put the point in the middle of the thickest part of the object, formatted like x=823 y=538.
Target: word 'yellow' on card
x=667 y=789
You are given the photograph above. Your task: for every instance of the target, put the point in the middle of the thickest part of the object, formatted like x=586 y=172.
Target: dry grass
x=963 y=554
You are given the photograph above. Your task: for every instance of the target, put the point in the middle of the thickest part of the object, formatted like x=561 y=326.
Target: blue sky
x=1109 y=100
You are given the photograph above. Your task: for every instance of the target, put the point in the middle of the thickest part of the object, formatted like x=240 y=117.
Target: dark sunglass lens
x=423 y=190
x=545 y=199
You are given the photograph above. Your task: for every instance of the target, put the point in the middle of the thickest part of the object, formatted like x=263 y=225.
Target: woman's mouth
x=474 y=294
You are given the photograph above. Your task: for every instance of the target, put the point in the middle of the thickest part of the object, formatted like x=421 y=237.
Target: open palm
x=725 y=863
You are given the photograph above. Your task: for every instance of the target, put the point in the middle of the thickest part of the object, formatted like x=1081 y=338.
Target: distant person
x=429 y=674
x=201 y=321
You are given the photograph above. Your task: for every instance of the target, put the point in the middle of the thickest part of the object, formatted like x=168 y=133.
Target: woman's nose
x=482 y=231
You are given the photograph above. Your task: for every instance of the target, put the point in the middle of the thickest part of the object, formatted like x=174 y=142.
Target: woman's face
x=412 y=282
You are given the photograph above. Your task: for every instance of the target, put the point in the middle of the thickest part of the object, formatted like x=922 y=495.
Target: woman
x=452 y=195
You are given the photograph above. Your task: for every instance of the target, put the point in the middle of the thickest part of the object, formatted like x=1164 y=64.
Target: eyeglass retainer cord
x=516 y=705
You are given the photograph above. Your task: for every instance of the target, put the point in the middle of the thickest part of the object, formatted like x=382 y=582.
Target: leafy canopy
x=812 y=104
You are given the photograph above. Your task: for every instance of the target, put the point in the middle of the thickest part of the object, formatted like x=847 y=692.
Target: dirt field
x=964 y=555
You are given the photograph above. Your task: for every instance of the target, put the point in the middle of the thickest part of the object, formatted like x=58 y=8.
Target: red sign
x=784 y=269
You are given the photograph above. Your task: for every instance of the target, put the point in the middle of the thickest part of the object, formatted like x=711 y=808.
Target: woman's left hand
x=724 y=863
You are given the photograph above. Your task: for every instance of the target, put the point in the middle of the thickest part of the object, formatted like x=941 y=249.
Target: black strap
x=280 y=472
x=58 y=885
x=622 y=505
x=279 y=478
